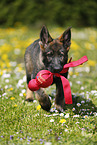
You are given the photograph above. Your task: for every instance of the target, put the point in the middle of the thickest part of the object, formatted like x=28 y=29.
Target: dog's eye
x=61 y=53
x=49 y=53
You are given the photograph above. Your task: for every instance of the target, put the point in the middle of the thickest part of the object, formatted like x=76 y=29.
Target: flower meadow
x=24 y=122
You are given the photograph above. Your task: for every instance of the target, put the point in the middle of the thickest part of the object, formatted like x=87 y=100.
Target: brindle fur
x=50 y=54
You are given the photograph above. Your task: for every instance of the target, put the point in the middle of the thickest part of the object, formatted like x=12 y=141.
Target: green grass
x=20 y=121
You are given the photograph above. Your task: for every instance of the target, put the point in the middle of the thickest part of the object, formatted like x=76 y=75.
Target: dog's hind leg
x=59 y=99
x=43 y=99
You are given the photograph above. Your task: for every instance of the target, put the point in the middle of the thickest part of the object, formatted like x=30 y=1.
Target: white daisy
x=61 y=114
x=67 y=115
x=52 y=120
x=78 y=104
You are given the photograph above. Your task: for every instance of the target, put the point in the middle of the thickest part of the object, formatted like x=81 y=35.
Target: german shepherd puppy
x=50 y=54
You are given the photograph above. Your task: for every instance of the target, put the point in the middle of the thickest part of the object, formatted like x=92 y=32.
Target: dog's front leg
x=59 y=99
x=43 y=99
x=29 y=94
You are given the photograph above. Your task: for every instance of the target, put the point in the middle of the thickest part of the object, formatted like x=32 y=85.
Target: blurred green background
x=78 y=13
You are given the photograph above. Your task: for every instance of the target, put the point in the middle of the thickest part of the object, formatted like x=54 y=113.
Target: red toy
x=44 y=79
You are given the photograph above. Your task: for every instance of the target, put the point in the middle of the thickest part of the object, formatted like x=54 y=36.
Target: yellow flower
x=6 y=48
x=95 y=44
x=38 y=107
x=20 y=69
x=62 y=121
x=12 y=98
x=70 y=73
x=91 y=62
x=92 y=38
x=2 y=64
x=4 y=57
x=76 y=73
x=10 y=89
x=88 y=45
x=15 y=105
x=74 y=46
x=1 y=73
x=8 y=64
x=24 y=94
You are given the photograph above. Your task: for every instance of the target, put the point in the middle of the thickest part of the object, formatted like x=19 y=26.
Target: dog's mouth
x=55 y=69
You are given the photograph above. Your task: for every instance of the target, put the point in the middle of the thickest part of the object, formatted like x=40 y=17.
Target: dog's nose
x=57 y=69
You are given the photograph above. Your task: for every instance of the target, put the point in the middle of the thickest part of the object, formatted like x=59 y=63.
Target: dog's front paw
x=45 y=104
x=29 y=96
x=59 y=108
x=29 y=100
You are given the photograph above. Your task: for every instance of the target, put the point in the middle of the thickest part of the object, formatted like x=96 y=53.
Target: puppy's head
x=55 y=51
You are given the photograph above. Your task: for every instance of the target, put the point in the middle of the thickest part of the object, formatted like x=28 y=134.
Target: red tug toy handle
x=44 y=79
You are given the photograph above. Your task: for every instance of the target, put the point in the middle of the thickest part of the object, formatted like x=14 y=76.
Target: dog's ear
x=45 y=36
x=65 y=38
